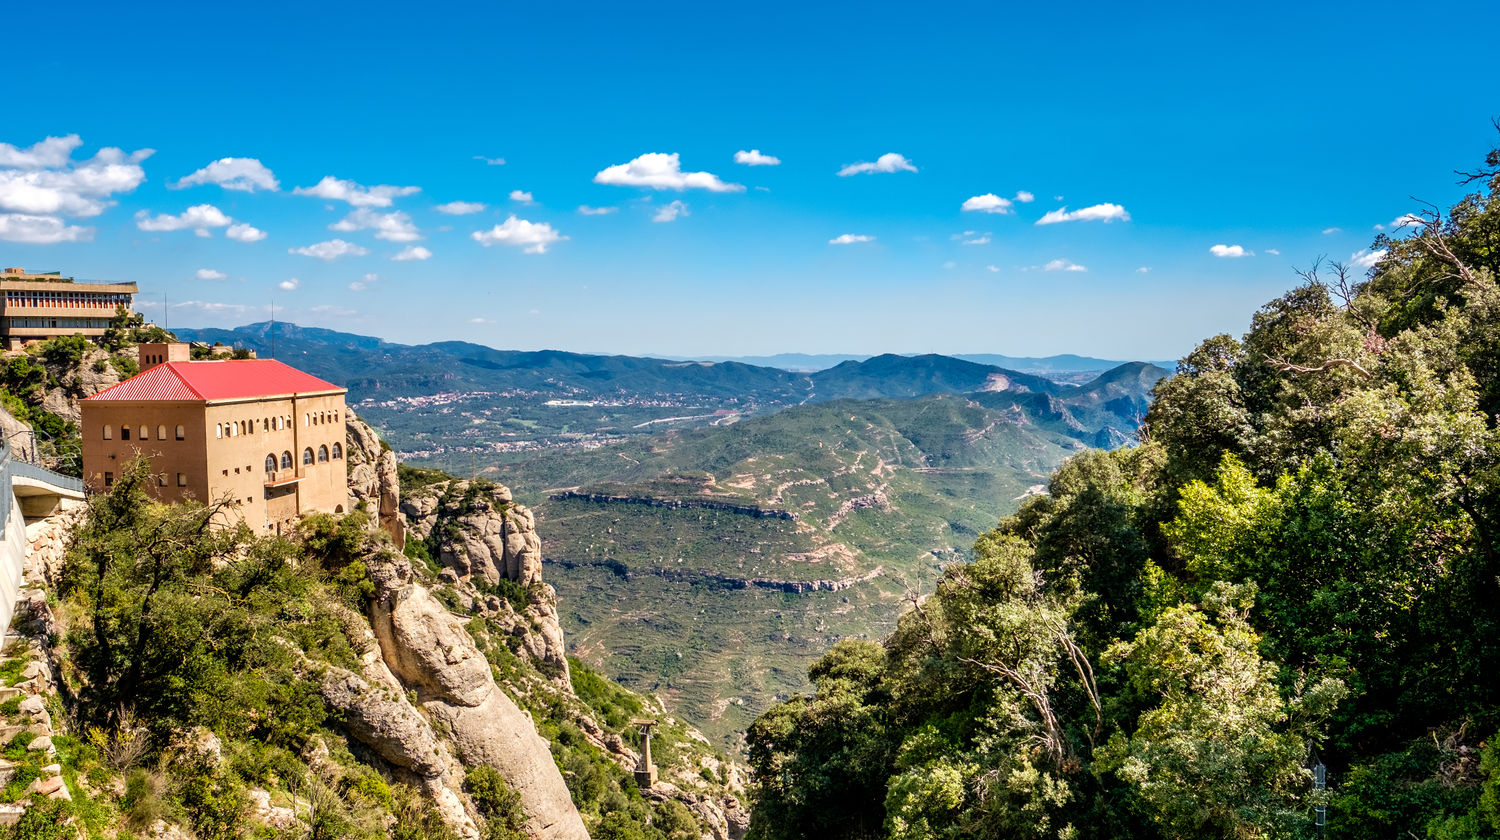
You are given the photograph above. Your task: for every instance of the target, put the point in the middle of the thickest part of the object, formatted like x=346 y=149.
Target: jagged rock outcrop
x=477 y=530
x=429 y=651
x=677 y=504
x=92 y=375
x=372 y=477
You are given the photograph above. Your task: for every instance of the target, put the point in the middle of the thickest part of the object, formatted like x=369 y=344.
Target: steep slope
x=905 y=377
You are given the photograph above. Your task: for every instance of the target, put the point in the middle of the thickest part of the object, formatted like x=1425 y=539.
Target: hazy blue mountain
x=906 y=377
x=810 y=362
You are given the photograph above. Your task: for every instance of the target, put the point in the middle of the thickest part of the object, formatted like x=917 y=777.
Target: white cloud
x=1063 y=265
x=289 y=285
x=521 y=197
x=479 y=320
x=243 y=174
x=1097 y=213
x=330 y=250
x=1230 y=251
x=755 y=158
x=950 y=264
x=1145 y=269
x=363 y=283
x=1273 y=252
x=532 y=237
x=988 y=203
x=1331 y=231
x=65 y=188
x=888 y=162
x=596 y=211
x=491 y=161
x=662 y=172
x=198 y=218
x=392 y=227
x=993 y=269
x=245 y=233
x=412 y=252
x=850 y=239
x=460 y=208
x=1408 y=220
x=978 y=240
x=40 y=230
x=1025 y=197
x=670 y=212
x=1366 y=258
x=52 y=153
x=210 y=274
x=335 y=189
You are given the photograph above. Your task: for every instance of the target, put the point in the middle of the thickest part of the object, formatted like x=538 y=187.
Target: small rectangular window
x=109 y=479
x=124 y=433
x=182 y=479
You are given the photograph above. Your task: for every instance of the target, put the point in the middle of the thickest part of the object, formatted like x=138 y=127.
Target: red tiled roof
x=227 y=379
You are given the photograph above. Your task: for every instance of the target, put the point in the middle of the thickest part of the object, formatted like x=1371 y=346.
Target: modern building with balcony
x=258 y=434
x=39 y=305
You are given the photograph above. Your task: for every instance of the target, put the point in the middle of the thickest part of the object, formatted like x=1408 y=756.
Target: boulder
x=372 y=477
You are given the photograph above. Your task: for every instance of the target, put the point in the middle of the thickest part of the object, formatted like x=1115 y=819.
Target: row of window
x=60 y=323
x=88 y=300
x=307 y=457
x=143 y=433
x=236 y=428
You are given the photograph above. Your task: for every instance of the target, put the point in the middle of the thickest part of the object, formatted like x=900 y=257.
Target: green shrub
x=499 y=805
x=45 y=819
x=125 y=366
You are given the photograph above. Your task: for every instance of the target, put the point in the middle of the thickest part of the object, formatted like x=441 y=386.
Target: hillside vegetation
x=1299 y=565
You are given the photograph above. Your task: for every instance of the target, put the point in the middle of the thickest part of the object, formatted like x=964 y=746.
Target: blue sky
x=1286 y=130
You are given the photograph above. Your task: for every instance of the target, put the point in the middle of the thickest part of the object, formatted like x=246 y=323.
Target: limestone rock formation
x=372 y=477
x=80 y=382
x=480 y=532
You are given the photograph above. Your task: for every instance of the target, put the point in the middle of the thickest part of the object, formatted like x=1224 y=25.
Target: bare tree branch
x=1331 y=363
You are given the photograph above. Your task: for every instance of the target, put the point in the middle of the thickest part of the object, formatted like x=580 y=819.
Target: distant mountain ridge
x=811 y=362
x=370 y=366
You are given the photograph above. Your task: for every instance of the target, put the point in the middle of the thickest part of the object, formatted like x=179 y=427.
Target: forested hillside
x=1299 y=565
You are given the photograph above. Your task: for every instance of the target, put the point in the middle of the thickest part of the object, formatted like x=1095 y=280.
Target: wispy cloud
x=850 y=239
x=1273 y=252
x=1063 y=265
x=981 y=239
x=335 y=189
x=670 y=212
x=1230 y=251
x=521 y=197
x=993 y=269
x=888 y=162
x=231 y=173
x=1332 y=230
x=363 y=283
x=662 y=172
x=209 y=274
x=41 y=230
x=392 y=227
x=1365 y=258
x=199 y=219
x=987 y=203
x=491 y=161
x=330 y=250
x=1145 y=269
x=531 y=237
x=596 y=211
x=289 y=285
x=460 y=208
x=1097 y=213
x=755 y=158
x=1025 y=197
x=51 y=153
x=412 y=253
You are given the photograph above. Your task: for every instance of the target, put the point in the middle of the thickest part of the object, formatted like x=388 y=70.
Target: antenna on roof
x=273 y=327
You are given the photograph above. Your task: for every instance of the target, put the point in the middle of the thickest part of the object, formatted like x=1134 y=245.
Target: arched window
x=286 y=460
x=161 y=434
x=338 y=508
x=124 y=433
x=219 y=430
x=108 y=433
x=338 y=451
x=307 y=456
x=322 y=454
x=181 y=433
x=145 y=434
x=270 y=463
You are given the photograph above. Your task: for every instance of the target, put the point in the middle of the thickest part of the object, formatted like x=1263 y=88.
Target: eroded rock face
x=428 y=650
x=372 y=477
x=481 y=533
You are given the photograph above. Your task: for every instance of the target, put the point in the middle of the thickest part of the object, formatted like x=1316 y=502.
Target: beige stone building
x=263 y=435
x=36 y=306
